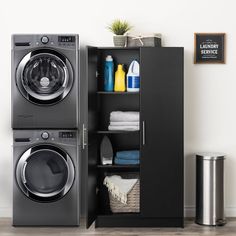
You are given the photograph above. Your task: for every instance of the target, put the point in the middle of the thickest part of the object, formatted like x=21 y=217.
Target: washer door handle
x=23 y=172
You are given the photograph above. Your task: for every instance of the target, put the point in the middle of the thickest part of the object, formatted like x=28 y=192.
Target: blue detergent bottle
x=109 y=74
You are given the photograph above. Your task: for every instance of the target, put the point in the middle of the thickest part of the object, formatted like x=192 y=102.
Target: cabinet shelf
x=112 y=167
x=117 y=93
x=119 y=48
x=117 y=132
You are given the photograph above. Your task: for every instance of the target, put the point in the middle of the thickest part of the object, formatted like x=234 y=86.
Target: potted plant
x=119 y=28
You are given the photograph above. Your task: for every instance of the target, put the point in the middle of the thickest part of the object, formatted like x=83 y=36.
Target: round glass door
x=44 y=77
x=45 y=173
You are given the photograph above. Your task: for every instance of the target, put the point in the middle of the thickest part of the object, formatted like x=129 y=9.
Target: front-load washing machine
x=46 y=178
x=45 y=79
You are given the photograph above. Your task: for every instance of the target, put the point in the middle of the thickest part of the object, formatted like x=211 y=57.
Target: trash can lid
x=210 y=155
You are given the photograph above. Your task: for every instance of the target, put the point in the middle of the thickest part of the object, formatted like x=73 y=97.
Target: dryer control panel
x=45 y=136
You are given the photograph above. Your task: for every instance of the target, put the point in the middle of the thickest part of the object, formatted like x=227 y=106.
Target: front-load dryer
x=46 y=178
x=45 y=79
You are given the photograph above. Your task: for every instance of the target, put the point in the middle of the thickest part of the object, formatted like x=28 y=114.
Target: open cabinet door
x=161 y=106
x=90 y=145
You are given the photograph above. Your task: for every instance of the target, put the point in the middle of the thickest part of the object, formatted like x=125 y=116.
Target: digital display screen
x=67 y=134
x=66 y=39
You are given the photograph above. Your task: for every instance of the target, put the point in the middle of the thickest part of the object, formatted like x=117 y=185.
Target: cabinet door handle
x=144 y=141
x=83 y=137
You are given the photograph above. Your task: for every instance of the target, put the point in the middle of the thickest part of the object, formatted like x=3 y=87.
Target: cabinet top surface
x=126 y=48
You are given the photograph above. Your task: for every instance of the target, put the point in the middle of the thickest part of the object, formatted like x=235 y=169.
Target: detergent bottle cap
x=119 y=66
x=109 y=58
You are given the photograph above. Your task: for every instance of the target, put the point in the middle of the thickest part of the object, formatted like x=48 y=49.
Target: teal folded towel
x=119 y=161
x=130 y=155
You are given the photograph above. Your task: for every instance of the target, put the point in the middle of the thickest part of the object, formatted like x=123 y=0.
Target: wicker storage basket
x=153 y=40
x=132 y=201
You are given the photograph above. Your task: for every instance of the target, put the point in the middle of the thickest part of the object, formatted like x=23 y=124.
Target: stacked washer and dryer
x=45 y=79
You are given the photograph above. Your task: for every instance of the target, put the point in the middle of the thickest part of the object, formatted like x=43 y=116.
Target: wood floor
x=190 y=229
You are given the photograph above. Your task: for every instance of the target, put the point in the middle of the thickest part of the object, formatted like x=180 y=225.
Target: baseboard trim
x=189 y=211
x=230 y=211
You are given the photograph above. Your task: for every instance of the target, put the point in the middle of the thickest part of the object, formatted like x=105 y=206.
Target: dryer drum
x=45 y=173
x=44 y=77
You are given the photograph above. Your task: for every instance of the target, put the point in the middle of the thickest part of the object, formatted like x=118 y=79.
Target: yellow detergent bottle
x=119 y=79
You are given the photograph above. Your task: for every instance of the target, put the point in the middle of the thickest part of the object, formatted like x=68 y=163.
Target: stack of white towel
x=124 y=120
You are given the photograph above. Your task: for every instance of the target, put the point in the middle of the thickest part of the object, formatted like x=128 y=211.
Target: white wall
x=210 y=97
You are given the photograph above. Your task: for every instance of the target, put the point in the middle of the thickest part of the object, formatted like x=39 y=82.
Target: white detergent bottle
x=133 y=77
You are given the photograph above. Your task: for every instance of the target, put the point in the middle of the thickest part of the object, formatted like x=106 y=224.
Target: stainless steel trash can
x=210 y=189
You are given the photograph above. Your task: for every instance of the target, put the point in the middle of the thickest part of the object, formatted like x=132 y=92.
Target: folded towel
x=120 y=161
x=130 y=155
x=124 y=128
x=124 y=116
x=124 y=123
x=118 y=187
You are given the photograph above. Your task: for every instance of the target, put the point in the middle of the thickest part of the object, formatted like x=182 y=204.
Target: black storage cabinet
x=160 y=139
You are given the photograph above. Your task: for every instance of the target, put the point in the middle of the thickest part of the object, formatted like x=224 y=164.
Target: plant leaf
x=119 y=27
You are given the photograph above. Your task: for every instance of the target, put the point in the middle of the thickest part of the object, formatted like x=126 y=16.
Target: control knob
x=44 y=39
x=45 y=135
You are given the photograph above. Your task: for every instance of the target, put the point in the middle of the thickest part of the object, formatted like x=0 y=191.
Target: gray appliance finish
x=45 y=81
x=46 y=178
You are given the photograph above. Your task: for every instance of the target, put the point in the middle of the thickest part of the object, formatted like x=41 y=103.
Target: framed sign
x=209 y=48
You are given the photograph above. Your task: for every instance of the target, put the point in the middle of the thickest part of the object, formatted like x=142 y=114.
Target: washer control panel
x=46 y=40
